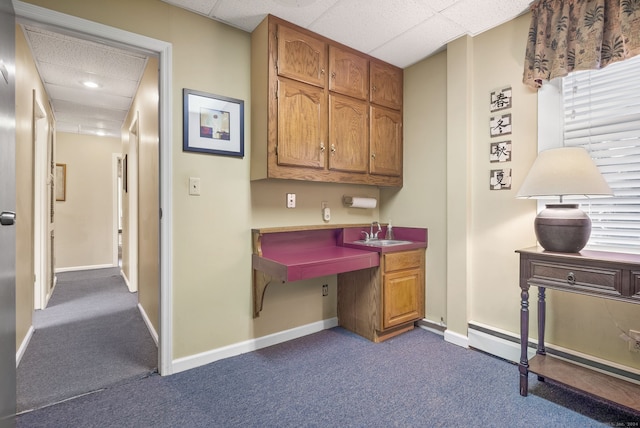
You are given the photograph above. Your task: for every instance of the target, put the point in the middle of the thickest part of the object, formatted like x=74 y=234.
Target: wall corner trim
x=456 y=338
x=23 y=346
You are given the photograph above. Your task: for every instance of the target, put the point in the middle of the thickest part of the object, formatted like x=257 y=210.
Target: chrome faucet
x=372 y=234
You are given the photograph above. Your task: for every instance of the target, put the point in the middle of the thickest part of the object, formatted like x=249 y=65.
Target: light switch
x=194 y=186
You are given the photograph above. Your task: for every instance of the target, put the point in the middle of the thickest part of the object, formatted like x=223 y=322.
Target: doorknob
x=7 y=218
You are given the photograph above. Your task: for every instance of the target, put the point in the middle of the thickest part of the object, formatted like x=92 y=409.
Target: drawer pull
x=571 y=278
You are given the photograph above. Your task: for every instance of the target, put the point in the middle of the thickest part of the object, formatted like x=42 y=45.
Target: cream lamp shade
x=566 y=172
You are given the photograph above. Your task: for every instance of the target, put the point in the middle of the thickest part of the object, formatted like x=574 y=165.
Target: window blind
x=602 y=114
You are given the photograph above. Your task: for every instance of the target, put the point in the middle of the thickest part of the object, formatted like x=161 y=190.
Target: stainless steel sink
x=382 y=242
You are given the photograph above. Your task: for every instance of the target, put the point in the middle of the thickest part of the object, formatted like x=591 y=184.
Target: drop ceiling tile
x=478 y=16
x=85 y=55
x=378 y=21
x=202 y=7
x=71 y=109
x=61 y=75
x=420 y=42
x=97 y=99
x=248 y=14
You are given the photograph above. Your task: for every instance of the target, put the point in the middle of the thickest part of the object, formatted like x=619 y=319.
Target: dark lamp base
x=562 y=228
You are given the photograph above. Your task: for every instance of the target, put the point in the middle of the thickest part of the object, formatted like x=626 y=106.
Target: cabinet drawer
x=403 y=260
x=576 y=278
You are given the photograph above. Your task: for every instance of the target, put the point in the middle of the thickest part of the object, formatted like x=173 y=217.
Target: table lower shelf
x=594 y=383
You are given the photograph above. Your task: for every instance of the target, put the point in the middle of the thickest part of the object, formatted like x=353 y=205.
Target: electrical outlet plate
x=194 y=186
x=325 y=289
x=291 y=200
x=634 y=341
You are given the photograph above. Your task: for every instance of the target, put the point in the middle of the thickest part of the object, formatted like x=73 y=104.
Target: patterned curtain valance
x=568 y=35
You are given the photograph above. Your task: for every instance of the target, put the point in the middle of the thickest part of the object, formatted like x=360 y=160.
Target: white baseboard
x=76 y=268
x=456 y=338
x=432 y=326
x=147 y=321
x=23 y=346
x=126 y=281
x=193 y=361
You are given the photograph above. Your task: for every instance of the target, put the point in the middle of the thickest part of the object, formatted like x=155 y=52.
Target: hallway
x=91 y=337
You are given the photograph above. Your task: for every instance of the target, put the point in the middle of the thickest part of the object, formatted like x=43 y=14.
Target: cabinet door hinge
x=276 y=150
x=277 y=89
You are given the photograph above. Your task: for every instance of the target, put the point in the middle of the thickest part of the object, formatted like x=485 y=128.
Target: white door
x=7 y=209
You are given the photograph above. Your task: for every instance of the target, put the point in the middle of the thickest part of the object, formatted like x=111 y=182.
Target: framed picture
x=500 y=152
x=212 y=124
x=501 y=99
x=500 y=125
x=61 y=182
x=500 y=179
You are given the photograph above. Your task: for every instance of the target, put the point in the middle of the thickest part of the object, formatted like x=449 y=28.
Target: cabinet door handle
x=571 y=278
x=373 y=88
x=333 y=74
x=373 y=155
x=333 y=149
x=321 y=147
x=322 y=71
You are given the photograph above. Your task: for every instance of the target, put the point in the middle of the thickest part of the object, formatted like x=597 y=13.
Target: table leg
x=523 y=367
x=542 y=312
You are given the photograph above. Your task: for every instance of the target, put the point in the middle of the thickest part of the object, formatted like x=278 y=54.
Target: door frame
x=41 y=260
x=132 y=186
x=28 y=13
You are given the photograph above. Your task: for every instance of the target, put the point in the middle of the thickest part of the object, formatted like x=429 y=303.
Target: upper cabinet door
x=386 y=142
x=348 y=73
x=348 y=134
x=301 y=57
x=386 y=85
x=302 y=125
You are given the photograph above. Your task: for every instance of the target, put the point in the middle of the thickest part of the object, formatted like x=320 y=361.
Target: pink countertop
x=293 y=255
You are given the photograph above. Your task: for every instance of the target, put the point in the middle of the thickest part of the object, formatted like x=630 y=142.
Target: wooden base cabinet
x=382 y=302
x=313 y=116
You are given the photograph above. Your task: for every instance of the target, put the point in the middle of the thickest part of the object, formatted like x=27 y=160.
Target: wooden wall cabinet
x=384 y=301
x=386 y=85
x=313 y=111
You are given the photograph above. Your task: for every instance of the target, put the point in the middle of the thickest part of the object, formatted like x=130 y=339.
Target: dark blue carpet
x=337 y=379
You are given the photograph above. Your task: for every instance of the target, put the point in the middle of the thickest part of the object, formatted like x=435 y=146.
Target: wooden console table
x=601 y=274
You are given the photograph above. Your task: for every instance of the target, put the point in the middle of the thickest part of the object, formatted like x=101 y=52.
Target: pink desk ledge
x=294 y=255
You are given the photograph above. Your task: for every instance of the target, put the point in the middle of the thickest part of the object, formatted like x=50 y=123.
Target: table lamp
x=566 y=172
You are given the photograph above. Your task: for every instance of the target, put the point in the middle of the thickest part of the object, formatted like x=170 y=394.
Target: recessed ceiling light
x=90 y=84
x=101 y=133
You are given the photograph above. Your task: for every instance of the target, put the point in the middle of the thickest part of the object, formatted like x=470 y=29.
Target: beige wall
x=145 y=109
x=27 y=84
x=472 y=270
x=211 y=233
x=422 y=201
x=84 y=221
x=480 y=229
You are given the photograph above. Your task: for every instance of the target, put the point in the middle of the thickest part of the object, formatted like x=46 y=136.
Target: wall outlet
x=634 y=341
x=291 y=200
x=194 y=186
x=325 y=289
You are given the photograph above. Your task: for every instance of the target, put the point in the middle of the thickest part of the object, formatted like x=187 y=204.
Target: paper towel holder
x=348 y=201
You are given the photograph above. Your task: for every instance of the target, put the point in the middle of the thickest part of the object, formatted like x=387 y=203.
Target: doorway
x=34 y=15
